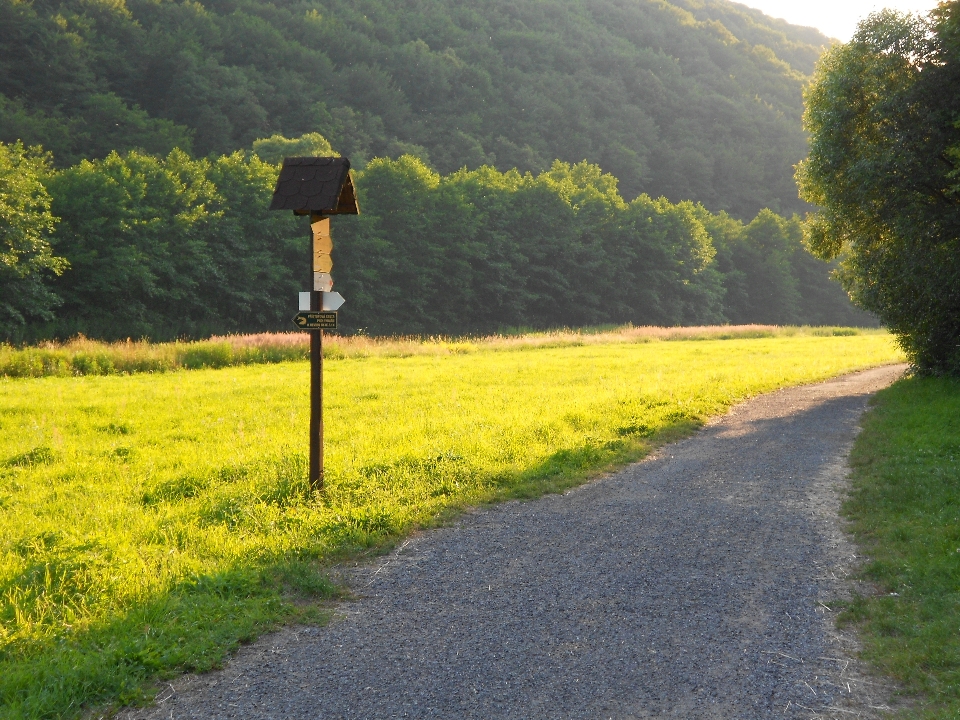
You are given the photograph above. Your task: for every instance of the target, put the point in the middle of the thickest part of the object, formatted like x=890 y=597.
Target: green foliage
x=883 y=114
x=276 y=147
x=26 y=223
x=906 y=514
x=150 y=523
x=769 y=276
x=482 y=250
x=172 y=246
x=682 y=99
x=175 y=247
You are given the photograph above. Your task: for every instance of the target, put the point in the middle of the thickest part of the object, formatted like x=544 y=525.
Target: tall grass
x=149 y=523
x=82 y=356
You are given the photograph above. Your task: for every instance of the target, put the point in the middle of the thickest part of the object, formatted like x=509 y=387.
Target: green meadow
x=905 y=510
x=149 y=523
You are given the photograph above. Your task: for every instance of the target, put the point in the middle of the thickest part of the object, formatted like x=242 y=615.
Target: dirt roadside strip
x=695 y=584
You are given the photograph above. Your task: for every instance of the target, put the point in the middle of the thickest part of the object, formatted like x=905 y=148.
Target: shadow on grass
x=190 y=628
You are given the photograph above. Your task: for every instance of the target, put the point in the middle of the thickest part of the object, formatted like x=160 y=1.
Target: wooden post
x=317 y=187
x=316 y=373
x=316 y=399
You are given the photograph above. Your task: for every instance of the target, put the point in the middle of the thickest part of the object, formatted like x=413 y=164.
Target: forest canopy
x=522 y=163
x=686 y=99
x=136 y=245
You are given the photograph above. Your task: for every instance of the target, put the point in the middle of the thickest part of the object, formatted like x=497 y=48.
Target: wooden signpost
x=317 y=187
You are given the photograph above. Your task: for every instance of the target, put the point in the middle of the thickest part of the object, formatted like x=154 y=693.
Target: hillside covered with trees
x=521 y=163
x=181 y=247
x=688 y=99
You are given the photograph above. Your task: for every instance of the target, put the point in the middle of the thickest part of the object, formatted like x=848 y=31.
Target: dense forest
x=173 y=246
x=688 y=99
x=521 y=163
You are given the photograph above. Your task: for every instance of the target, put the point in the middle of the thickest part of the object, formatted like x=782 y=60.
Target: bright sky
x=835 y=18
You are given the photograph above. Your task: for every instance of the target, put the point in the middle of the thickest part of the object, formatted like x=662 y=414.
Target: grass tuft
x=38 y=456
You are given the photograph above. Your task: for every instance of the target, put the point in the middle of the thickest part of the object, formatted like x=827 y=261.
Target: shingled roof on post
x=319 y=185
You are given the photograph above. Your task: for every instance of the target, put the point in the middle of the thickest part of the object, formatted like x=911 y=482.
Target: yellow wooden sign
x=322 y=246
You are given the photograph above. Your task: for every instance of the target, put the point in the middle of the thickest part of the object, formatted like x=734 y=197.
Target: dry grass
x=82 y=356
x=361 y=346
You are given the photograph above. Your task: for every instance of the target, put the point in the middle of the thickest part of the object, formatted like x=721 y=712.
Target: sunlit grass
x=82 y=356
x=149 y=523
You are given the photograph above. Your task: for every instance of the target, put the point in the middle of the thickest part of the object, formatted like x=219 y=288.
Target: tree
x=276 y=147
x=168 y=247
x=259 y=257
x=883 y=114
x=765 y=255
x=26 y=257
x=132 y=227
x=174 y=246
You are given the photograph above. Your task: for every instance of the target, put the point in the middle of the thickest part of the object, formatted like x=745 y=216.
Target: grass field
x=81 y=356
x=149 y=523
x=906 y=516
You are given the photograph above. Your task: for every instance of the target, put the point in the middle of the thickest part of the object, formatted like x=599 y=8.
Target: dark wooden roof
x=315 y=185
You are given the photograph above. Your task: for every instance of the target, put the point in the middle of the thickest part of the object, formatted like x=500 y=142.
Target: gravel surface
x=694 y=584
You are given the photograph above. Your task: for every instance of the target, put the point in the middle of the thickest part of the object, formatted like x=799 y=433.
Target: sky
x=835 y=18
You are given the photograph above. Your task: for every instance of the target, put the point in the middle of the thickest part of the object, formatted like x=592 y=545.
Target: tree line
x=680 y=99
x=137 y=245
x=884 y=167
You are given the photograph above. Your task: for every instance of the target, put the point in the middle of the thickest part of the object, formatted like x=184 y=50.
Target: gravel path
x=695 y=584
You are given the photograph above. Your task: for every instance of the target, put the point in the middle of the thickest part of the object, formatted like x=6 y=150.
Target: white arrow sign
x=322 y=282
x=331 y=301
